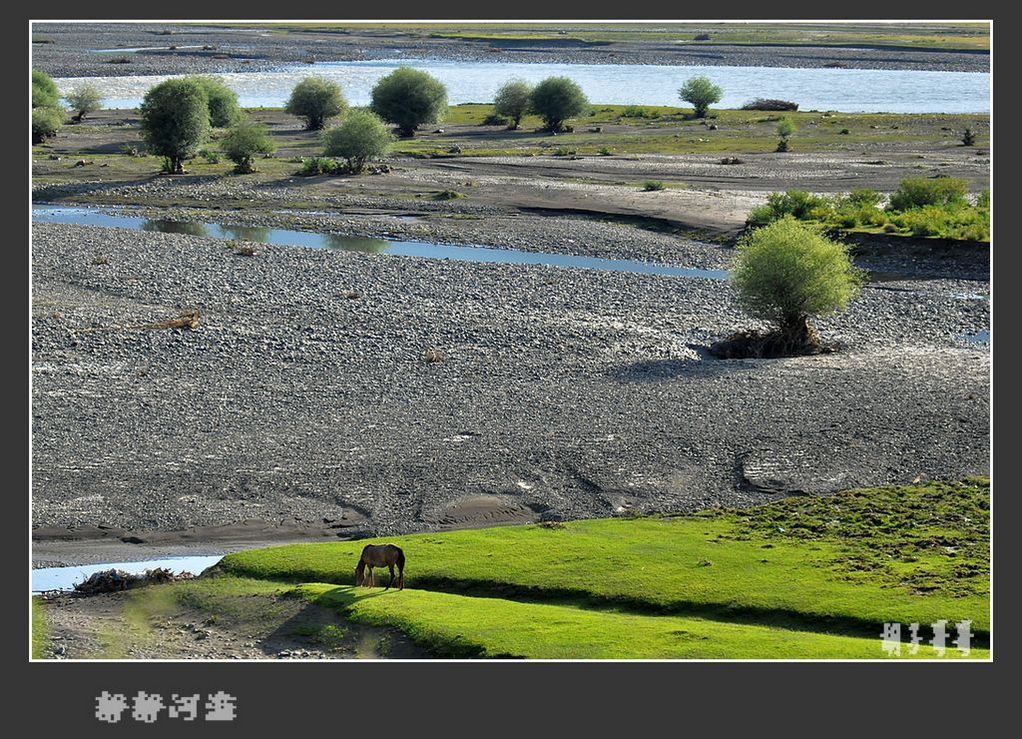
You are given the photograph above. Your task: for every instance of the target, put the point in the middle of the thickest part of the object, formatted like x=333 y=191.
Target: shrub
x=314 y=100
x=361 y=137
x=212 y=156
x=770 y=104
x=556 y=99
x=175 y=121
x=495 y=120
x=317 y=165
x=844 y=132
x=44 y=90
x=785 y=128
x=221 y=101
x=968 y=138
x=653 y=185
x=84 y=99
x=634 y=111
x=916 y=192
x=512 y=101
x=408 y=98
x=45 y=123
x=244 y=141
x=701 y=37
x=606 y=151
x=798 y=203
x=701 y=93
x=787 y=272
x=448 y=195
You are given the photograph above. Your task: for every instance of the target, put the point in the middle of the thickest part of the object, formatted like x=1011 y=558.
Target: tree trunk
x=799 y=333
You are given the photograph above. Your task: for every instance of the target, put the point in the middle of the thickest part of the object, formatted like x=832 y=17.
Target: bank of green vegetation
x=803 y=577
x=923 y=207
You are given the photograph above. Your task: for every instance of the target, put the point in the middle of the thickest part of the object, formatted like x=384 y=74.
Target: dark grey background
x=411 y=699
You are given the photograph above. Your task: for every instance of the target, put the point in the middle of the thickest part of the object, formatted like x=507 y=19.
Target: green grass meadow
x=806 y=577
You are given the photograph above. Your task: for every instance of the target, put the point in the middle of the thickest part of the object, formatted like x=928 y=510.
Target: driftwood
x=112 y=581
x=188 y=319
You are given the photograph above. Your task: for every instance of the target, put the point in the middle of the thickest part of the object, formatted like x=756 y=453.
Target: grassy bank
x=801 y=578
x=950 y=36
x=833 y=566
x=40 y=628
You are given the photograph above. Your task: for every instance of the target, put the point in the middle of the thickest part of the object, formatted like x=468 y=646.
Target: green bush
x=557 y=99
x=244 y=141
x=359 y=138
x=798 y=203
x=962 y=222
x=221 y=101
x=315 y=99
x=175 y=121
x=917 y=192
x=44 y=90
x=212 y=156
x=512 y=101
x=45 y=123
x=409 y=98
x=495 y=120
x=701 y=93
x=788 y=272
x=84 y=99
x=653 y=185
x=968 y=138
x=317 y=165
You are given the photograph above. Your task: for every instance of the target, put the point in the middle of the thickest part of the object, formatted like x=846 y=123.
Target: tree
x=175 y=120
x=701 y=93
x=408 y=98
x=45 y=123
x=785 y=128
x=243 y=141
x=556 y=99
x=315 y=99
x=221 y=101
x=44 y=90
x=362 y=136
x=787 y=272
x=84 y=99
x=512 y=101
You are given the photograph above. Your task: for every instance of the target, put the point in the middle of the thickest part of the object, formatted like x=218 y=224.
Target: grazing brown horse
x=380 y=555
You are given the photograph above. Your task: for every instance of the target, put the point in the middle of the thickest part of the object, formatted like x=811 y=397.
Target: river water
x=844 y=90
x=86 y=216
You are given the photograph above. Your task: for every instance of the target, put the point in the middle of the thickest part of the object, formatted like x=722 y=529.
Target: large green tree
x=702 y=93
x=44 y=90
x=787 y=272
x=175 y=121
x=316 y=99
x=244 y=140
x=84 y=99
x=409 y=98
x=361 y=137
x=512 y=101
x=221 y=101
x=557 y=99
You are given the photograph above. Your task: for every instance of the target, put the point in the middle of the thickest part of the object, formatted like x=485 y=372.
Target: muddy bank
x=202 y=49
x=303 y=396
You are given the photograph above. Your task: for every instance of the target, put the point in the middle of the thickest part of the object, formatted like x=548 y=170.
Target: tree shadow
x=321 y=627
x=706 y=365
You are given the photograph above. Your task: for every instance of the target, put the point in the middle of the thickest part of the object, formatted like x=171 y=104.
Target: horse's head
x=360 y=573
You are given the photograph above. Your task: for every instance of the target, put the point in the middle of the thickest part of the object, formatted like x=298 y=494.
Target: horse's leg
x=401 y=577
x=391 y=568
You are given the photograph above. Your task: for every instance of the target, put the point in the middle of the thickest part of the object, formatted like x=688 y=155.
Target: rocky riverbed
x=70 y=50
x=305 y=397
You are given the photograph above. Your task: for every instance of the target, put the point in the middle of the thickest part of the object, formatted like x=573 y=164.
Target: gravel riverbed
x=70 y=51
x=303 y=397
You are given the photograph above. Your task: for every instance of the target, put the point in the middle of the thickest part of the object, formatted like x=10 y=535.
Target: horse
x=380 y=555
